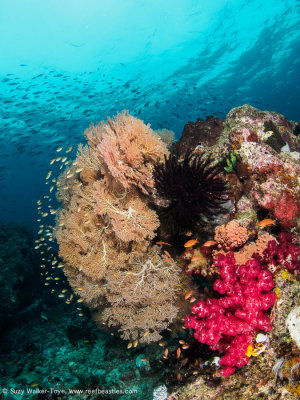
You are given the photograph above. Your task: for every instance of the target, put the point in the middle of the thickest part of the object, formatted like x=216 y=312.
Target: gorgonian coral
x=105 y=228
x=192 y=190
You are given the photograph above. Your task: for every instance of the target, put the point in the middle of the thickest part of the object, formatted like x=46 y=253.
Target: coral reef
x=65 y=356
x=266 y=177
x=105 y=229
x=230 y=198
x=271 y=372
x=241 y=241
x=271 y=177
x=228 y=237
x=255 y=252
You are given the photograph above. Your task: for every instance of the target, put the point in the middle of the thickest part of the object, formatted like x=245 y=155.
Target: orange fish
x=191 y=243
x=185 y=361
x=196 y=258
x=193 y=299
x=186 y=346
x=188 y=295
x=164 y=243
x=167 y=254
x=166 y=352
x=209 y=243
x=267 y=222
x=178 y=352
x=168 y=259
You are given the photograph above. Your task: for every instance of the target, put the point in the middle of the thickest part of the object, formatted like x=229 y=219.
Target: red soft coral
x=228 y=324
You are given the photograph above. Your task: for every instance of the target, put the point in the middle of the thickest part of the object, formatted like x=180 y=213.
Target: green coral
x=231 y=162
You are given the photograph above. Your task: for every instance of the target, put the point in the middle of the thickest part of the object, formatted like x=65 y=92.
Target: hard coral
x=243 y=254
x=231 y=236
x=273 y=181
x=228 y=324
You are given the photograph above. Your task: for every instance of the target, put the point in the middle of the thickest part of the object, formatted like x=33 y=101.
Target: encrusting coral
x=105 y=227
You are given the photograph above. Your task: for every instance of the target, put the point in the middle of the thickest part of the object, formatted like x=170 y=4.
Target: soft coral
x=228 y=324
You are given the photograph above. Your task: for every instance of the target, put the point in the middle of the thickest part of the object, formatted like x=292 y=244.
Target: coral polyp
x=192 y=188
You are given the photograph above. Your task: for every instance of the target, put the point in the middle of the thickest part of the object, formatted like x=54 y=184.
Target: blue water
x=67 y=63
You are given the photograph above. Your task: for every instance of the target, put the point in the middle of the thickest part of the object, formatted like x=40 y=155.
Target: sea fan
x=191 y=188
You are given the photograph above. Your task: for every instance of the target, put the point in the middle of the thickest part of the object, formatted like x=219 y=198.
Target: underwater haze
x=65 y=64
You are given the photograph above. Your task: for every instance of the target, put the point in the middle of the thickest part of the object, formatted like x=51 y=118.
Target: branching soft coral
x=228 y=324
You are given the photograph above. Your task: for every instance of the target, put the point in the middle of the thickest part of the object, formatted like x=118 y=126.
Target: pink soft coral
x=228 y=324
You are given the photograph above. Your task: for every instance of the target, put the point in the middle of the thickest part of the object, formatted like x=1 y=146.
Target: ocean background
x=65 y=64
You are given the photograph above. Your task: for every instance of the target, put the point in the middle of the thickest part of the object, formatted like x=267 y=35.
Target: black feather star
x=192 y=189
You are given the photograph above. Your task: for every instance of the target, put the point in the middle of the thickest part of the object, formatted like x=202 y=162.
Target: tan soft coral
x=105 y=227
